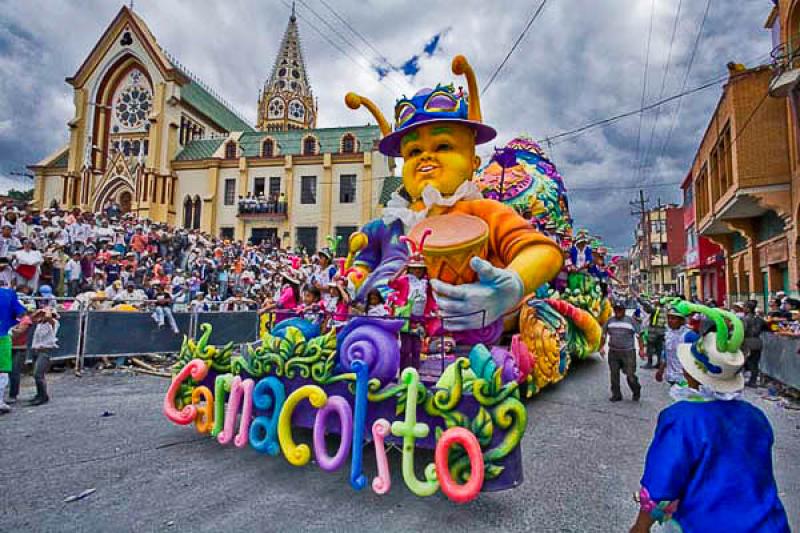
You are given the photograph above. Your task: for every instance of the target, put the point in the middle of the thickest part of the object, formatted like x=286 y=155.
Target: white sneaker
x=4 y=408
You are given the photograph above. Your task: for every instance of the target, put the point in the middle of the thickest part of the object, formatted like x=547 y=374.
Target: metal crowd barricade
x=780 y=359
x=110 y=332
x=229 y=326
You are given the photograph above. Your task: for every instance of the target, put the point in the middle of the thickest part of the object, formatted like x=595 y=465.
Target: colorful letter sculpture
x=496 y=244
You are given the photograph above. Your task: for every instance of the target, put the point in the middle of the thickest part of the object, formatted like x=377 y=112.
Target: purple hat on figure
x=428 y=106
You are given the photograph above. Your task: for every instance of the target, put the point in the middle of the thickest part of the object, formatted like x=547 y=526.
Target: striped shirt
x=621 y=333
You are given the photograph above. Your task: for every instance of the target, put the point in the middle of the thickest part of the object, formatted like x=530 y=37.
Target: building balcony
x=253 y=210
x=785 y=69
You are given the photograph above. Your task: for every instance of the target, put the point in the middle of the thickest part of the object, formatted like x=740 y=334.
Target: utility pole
x=663 y=225
x=639 y=208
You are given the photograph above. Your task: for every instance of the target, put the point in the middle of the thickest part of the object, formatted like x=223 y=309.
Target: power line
x=626 y=114
x=677 y=110
x=339 y=48
x=620 y=188
x=347 y=41
x=644 y=90
x=355 y=32
x=646 y=157
x=514 y=46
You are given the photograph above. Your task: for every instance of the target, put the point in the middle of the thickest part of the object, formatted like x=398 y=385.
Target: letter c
x=298 y=455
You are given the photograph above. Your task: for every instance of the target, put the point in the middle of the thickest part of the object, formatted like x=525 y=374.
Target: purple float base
x=304 y=415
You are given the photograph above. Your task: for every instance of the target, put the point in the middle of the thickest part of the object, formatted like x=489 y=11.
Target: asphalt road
x=583 y=459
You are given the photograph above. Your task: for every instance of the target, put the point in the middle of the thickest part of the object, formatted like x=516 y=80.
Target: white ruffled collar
x=398 y=207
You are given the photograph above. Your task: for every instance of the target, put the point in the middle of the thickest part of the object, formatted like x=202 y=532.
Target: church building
x=148 y=135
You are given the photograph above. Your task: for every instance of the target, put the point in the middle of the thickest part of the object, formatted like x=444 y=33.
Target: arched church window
x=196 y=216
x=230 y=150
x=187 y=213
x=348 y=144
x=309 y=146
x=126 y=148
x=135 y=147
x=146 y=146
x=268 y=148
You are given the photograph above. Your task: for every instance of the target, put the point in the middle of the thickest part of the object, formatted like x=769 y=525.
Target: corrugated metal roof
x=199 y=149
x=289 y=142
x=196 y=96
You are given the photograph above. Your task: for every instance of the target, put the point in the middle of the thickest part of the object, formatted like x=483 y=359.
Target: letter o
x=469 y=490
x=338 y=405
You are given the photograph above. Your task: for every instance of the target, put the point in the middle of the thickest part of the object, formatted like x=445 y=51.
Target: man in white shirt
x=130 y=295
x=73 y=273
x=28 y=261
x=9 y=244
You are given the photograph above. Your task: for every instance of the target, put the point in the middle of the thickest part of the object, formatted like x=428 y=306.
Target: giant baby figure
x=435 y=133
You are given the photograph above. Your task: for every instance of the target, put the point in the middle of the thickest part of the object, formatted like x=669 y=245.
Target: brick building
x=784 y=24
x=742 y=186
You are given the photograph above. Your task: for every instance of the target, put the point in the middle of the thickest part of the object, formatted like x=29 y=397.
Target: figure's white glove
x=496 y=292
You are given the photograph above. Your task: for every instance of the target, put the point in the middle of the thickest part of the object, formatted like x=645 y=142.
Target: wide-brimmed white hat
x=721 y=371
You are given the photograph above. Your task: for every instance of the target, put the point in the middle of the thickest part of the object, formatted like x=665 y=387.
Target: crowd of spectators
x=109 y=260
x=274 y=203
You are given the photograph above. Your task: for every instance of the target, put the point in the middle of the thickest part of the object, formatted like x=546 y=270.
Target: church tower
x=287 y=101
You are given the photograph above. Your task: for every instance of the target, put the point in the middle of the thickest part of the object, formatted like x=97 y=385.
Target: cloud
x=581 y=61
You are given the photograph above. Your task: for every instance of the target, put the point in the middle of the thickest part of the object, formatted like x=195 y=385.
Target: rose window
x=133 y=105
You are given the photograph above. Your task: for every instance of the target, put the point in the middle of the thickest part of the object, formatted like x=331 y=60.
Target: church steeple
x=287 y=101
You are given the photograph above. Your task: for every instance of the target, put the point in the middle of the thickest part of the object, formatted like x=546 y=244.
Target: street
x=583 y=459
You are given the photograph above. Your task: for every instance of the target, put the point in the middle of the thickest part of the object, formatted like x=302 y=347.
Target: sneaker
x=615 y=399
x=4 y=408
x=11 y=400
x=38 y=400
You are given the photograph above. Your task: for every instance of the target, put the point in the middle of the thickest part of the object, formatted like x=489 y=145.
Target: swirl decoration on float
x=374 y=342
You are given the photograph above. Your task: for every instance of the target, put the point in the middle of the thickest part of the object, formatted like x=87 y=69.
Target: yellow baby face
x=441 y=155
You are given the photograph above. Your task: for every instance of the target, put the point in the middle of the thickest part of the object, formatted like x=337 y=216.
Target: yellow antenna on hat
x=461 y=66
x=354 y=101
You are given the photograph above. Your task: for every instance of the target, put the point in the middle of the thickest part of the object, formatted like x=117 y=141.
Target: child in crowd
x=670 y=364
x=375 y=304
x=311 y=309
x=337 y=304
x=709 y=466
x=412 y=299
x=45 y=339
x=19 y=351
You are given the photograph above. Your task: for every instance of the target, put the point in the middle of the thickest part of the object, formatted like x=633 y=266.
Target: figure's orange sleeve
x=509 y=233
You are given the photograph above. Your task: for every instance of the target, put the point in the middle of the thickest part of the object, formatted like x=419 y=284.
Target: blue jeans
x=160 y=313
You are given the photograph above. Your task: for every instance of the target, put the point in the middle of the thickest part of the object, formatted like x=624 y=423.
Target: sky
x=581 y=61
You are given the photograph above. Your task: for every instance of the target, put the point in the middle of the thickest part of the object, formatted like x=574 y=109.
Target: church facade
x=152 y=138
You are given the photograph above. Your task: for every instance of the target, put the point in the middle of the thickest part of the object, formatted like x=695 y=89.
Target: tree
x=20 y=196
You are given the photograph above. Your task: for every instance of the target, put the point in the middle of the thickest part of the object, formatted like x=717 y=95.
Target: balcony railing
x=785 y=67
x=261 y=208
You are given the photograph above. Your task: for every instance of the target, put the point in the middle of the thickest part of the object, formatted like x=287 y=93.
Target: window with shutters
x=347 y=189
x=230 y=191
x=308 y=190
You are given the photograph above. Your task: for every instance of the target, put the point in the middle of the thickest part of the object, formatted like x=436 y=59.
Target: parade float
x=496 y=327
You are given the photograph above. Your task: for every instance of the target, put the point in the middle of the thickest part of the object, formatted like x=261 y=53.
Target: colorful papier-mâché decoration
x=435 y=132
x=482 y=268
